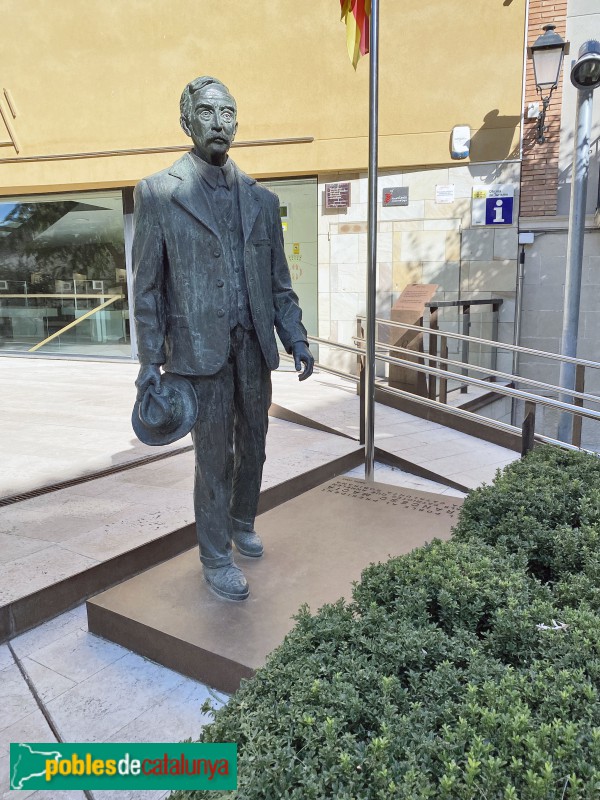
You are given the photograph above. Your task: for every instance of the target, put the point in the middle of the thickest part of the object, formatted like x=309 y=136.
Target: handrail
x=60 y=296
x=501 y=345
x=70 y=325
x=458 y=412
x=492 y=301
x=592 y=398
x=461 y=412
x=339 y=373
x=547 y=401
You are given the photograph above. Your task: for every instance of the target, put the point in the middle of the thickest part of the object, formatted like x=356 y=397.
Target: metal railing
x=464 y=307
x=577 y=396
x=441 y=372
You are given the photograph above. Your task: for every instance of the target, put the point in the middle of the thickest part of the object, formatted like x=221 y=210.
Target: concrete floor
x=47 y=538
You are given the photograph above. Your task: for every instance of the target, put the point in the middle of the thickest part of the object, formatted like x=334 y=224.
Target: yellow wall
x=97 y=75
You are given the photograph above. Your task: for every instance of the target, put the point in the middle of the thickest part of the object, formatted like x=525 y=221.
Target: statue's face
x=212 y=123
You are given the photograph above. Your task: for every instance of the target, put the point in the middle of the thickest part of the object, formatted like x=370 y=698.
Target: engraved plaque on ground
x=406 y=499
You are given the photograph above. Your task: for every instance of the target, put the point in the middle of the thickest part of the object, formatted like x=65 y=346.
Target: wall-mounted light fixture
x=547 y=54
x=585 y=72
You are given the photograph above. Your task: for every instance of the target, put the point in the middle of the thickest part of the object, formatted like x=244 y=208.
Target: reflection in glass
x=63 y=283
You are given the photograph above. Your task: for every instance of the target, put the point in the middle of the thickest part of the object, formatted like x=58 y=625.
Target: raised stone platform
x=316 y=545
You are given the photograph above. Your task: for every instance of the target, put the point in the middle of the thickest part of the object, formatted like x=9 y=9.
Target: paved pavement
x=451 y=454
x=65 y=419
x=93 y=691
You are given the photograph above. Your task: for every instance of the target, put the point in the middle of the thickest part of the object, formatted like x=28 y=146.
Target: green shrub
x=466 y=669
x=455 y=585
x=545 y=507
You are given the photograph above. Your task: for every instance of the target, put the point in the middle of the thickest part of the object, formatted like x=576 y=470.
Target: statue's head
x=209 y=117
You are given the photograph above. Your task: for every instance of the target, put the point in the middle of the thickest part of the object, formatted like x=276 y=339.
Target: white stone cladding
x=423 y=242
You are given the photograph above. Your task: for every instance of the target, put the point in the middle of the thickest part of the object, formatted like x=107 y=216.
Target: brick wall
x=539 y=177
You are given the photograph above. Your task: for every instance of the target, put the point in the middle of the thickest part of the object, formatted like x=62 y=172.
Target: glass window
x=63 y=280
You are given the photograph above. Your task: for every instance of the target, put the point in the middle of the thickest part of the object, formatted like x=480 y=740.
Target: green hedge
x=466 y=669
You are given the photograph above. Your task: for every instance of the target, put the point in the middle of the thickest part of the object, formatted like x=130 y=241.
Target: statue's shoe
x=228 y=581
x=248 y=543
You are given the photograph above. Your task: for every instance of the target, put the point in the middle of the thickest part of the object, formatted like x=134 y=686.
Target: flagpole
x=372 y=244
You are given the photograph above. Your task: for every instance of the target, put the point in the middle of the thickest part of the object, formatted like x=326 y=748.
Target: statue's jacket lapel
x=193 y=197
x=194 y=271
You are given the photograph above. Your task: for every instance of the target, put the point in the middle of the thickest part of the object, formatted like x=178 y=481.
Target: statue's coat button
x=220 y=313
x=217 y=253
x=220 y=284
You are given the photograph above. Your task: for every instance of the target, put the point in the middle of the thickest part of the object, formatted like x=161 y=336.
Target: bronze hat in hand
x=163 y=416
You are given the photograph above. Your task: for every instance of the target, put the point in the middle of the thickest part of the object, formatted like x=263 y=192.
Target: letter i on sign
x=498 y=212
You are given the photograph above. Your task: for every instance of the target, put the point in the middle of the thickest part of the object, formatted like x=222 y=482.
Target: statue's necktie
x=223 y=200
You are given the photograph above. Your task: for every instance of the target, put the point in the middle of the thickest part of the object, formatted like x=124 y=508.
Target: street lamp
x=547 y=54
x=585 y=76
x=585 y=73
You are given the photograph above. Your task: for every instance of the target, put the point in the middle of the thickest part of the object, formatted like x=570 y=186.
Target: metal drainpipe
x=518 y=321
x=575 y=243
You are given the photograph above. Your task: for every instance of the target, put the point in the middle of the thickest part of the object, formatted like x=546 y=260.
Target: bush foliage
x=465 y=669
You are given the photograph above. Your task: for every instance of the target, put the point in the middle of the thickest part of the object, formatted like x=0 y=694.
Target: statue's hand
x=148 y=374
x=302 y=355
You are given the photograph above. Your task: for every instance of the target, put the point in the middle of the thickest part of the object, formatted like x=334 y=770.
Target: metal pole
x=581 y=163
x=518 y=325
x=372 y=245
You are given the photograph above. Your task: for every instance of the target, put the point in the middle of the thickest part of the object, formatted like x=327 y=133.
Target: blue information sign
x=498 y=210
x=493 y=204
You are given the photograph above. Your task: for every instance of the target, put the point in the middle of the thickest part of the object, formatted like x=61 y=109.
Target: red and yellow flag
x=356 y=13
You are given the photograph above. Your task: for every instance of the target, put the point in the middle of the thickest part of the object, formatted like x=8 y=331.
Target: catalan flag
x=356 y=13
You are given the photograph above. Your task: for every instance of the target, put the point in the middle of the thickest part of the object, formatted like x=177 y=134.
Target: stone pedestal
x=316 y=545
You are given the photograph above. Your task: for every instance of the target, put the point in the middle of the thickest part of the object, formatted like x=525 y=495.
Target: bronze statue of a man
x=211 y=284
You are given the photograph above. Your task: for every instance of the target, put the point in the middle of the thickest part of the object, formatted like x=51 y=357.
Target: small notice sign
x=493 y=205
x=337 y=195
x=414 y=297
x=395 y=196
x=444 y=193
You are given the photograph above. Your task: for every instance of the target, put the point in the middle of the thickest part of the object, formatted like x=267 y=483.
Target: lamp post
x=547 y=54
x=585 y=76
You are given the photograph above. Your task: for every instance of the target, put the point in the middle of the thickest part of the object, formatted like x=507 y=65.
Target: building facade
x=89 y=105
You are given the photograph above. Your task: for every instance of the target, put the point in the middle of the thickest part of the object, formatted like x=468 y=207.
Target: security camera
x=585 y=72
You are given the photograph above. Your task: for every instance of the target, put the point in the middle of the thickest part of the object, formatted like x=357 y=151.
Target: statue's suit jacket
x=181 y=281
